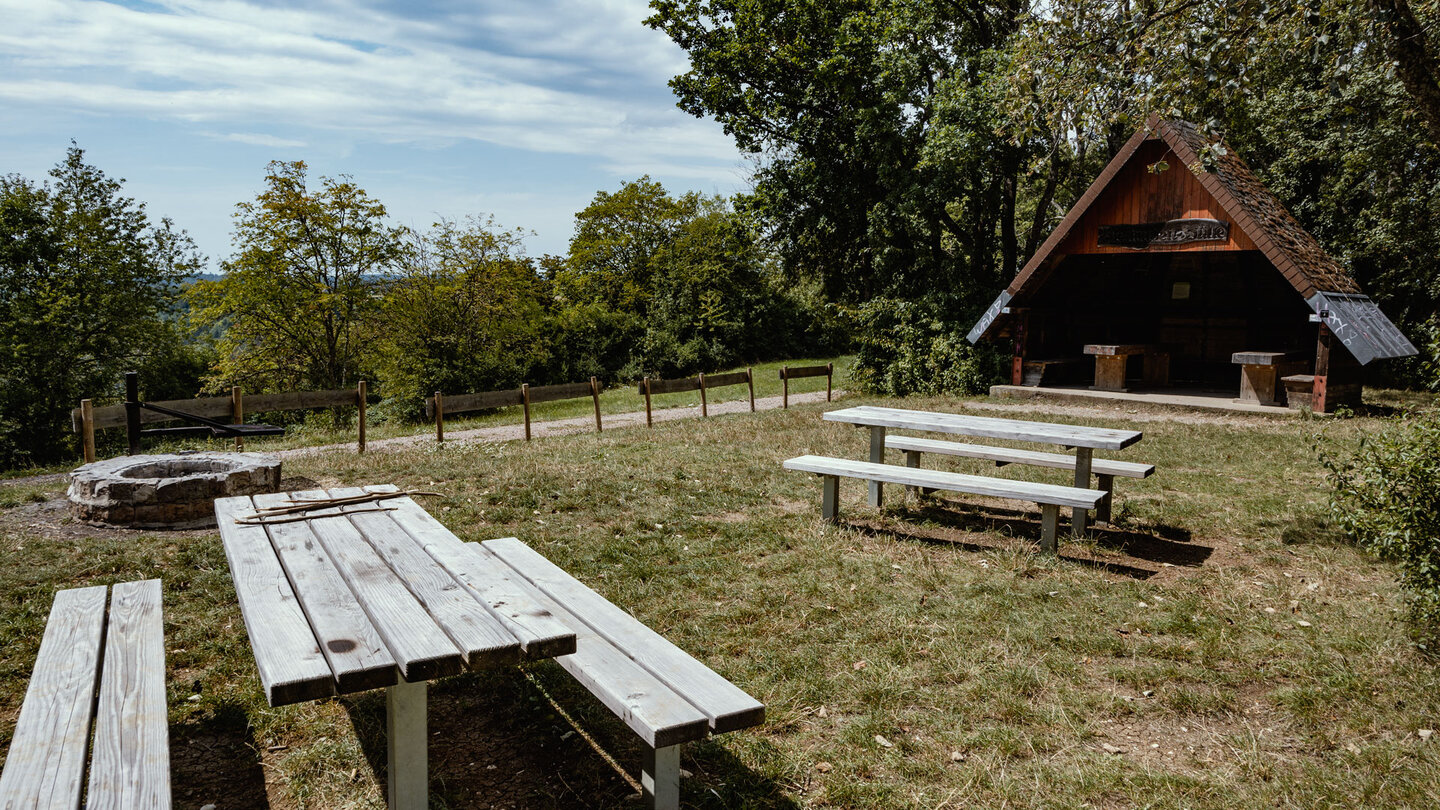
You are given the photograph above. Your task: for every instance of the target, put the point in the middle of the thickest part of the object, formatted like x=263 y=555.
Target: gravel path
x=558 y=427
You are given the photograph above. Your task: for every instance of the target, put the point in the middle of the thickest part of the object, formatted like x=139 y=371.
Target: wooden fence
x=438 y=404
x=87 y=419
x=787 y=374
x=699 y=383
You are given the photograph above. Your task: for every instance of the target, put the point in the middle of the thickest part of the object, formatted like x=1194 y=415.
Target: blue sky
x=522 y=109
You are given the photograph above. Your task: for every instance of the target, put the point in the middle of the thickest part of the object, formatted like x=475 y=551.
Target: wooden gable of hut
x=1198 y=259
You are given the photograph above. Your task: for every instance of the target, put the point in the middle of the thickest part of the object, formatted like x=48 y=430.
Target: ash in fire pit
x=167 y=491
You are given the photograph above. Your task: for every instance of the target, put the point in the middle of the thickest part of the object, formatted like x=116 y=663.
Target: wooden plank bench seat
x=1104 y=470
x=662 y=693
x=83 y=652
x=1052 y=370
x=1050 y=497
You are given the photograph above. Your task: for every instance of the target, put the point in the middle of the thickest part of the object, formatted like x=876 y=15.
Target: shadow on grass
x=217 y=761
x=495 y=740
x=1160 y=544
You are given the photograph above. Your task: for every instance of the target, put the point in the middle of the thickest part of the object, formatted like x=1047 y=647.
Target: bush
x=919 y=347
x=1387 y=497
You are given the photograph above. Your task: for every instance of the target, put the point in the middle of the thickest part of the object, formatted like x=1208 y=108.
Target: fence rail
x=439 y=404
x=787 y=374
x=651 y=387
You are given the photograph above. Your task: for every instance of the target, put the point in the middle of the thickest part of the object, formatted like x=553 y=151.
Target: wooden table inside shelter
x=1258 y=374
x=1111 y=360
x=1085 y=440
x=373 y=595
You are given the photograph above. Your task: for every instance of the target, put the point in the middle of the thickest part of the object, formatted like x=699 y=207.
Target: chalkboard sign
x=1170 y=232
x=978 y=330
x=1360 y=326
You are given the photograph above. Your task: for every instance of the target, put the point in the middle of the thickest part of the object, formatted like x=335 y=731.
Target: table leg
x=1078 y=514
x=1102 y=511
x=912 y=460
x=877 y=456
x=406 y=741
x=660 y=777
x=829 y=498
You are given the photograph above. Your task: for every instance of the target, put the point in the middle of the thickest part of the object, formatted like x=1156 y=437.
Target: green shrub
x=918 y=347
x=1387 y=497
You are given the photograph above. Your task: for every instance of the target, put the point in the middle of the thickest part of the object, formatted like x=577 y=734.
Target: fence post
x=360 y=394
x=704 y=411
x=132 y=411
x=750 y=378
x=237 y=413
x=595 y=394
x=829 y=375
x=87 y=430
x=439 y=417
x=785 y=387
x=648 y=421
x=525 y=401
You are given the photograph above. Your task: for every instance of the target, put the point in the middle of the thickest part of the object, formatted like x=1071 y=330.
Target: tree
x=85 y=280
x=880 y=167
x=466 y=313
x=298 y=295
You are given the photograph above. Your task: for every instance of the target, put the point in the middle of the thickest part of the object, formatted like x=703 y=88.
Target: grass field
x=1217 y=647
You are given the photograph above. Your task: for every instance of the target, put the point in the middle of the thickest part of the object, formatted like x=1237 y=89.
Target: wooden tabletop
x=352 y=598
x=1116 y=349
x=987 y=426
x=1261 y=358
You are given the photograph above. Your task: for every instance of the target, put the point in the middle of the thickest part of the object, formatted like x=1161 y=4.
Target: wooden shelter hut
x=1189 y=274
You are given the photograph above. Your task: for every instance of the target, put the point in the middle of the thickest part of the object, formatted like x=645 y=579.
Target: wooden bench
x=1050 y=497
x=1299 y=390
x=123 y=657
x=1112 y=358
x=1039 y=372
x=1259 y=372
x=661 y=692
x=1105 y=470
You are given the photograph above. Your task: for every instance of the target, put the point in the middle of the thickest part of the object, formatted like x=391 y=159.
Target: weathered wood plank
x=551 y=393
x=1262 y=358
x=46 y=764
x=420 y=648
x=726 y=706
x=1117 y=349
x=292 y=667
x=1010 y=455
x=987 y=426
x=796 y=372
x=299 y=400
x=462 y=403
x=953 y=482
x=479 y=636
x=488 y=580
x=113 y=416
x=722 y=380
x=352 y=646
x=130 y=767
x=659 y=386
x=650 y=708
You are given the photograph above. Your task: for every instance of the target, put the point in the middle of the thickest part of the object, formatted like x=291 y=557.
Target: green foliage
x=1387 y=496
x=85 y=278
x=465 y=314
x=908 y=347
x=299 y=295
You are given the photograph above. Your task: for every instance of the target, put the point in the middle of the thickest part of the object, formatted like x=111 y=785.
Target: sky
x=519 y=109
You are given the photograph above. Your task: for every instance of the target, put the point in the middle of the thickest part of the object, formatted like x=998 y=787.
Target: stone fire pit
x=173 y=491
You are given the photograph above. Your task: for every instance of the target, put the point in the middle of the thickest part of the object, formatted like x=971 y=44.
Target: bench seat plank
x=650 y=708
x=46 y=763
x=420 y=649
x=489 y=581
x=130 y=767
x=357 y=656
x=987 y=426
x=954 y=482
x=726 y=706
x=1099 y=466
x=474 y=630
x=297 y=671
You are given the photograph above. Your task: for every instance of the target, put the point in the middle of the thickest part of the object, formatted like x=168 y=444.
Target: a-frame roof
x=1256 y=211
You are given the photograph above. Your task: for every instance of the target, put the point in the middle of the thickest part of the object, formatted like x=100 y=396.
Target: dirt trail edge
x=558 y=427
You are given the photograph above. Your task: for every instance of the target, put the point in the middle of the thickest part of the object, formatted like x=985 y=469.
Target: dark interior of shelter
x=1202 y=307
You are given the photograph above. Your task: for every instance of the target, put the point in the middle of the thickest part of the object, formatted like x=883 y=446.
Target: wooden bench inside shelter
x=1104 y=470
x=1050 y=497
x=1111 y=360
x=105 y=669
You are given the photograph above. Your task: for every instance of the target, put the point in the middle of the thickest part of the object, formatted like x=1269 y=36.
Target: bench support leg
x=829 y=497
x=1102 y=509
x=1078 y=515
x=877 y=456
x=1049 y=528
x=660 y=777
x=912 y=459
x=406 y=740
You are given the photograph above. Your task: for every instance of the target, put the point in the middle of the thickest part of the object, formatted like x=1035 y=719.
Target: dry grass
x=1217 y=648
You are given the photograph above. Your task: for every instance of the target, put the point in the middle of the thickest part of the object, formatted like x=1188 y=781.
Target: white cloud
x=556 y=76
x=257 y=139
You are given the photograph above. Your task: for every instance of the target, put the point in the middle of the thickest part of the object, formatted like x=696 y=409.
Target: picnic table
x=1084 y=440
x=375 y=594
